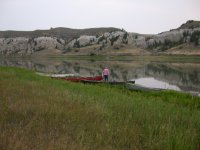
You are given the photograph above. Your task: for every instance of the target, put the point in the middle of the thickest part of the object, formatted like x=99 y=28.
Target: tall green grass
x=43 y=113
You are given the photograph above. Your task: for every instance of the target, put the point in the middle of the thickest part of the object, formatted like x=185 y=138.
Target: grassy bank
x=42 y=113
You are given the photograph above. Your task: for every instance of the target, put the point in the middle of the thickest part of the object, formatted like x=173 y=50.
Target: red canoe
x=79 y=79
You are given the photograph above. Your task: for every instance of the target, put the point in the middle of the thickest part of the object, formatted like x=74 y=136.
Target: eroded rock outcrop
x=114 y=39
x=159 y=42
x=26 y=46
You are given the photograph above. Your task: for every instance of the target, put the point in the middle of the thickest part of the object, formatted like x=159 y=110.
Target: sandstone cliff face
x=107 y=39
x=175 y=36
x=113 y=39
x=26 y=46
x=119 y=38
x=15 y=45
x=82 y=41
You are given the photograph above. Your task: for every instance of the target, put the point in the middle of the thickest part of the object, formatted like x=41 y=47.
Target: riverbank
x=42 y=113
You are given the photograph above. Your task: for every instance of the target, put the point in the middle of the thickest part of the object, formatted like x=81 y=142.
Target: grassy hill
x=191 y=24
x=65 y=33
x=42 y=113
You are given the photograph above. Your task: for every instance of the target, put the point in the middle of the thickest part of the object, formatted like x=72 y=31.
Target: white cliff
x=114 y=39
x=25 y=46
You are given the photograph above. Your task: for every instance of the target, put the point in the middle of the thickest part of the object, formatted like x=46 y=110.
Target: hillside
x=64 y=33
x=41 y=113
x=102 y=41
x=191 y=24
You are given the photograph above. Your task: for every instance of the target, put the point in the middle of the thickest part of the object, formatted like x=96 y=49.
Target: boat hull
x=137 y=87
x=80 y=79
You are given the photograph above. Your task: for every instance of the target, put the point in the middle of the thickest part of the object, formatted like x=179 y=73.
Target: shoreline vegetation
x=41 y=113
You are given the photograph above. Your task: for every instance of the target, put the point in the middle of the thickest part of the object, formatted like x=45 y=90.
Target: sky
x=141 y=16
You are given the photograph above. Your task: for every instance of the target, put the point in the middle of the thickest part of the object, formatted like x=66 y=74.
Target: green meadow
x=43 y=113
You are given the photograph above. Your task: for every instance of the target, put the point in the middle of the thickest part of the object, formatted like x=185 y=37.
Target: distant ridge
x=60 y=32
x=190 y=24
x=96 y=41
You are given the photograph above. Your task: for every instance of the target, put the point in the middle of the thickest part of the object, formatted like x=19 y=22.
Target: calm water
x=180 y=76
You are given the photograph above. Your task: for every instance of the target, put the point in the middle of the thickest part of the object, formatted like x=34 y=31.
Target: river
x=177 y=75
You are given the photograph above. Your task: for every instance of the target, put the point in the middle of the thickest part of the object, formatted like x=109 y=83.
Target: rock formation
x=26 y=43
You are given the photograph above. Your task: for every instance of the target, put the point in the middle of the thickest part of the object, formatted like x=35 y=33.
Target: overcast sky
x=141 y=16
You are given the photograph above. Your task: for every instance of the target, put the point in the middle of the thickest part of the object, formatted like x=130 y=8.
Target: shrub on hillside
x=114 y=39
x=125 y=40
x=77 y=44
x=195 y=37
x=101 y=39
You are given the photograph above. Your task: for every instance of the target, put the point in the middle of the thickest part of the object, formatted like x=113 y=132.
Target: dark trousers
x=105 y=77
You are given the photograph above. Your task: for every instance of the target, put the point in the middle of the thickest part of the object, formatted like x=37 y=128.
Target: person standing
x=105 y=73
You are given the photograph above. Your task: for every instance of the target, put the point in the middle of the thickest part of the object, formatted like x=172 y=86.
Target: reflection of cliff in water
x=119 y=70
x=184 y=75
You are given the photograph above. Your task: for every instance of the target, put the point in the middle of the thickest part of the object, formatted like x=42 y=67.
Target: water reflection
x=183 y=76
x=153 y=83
